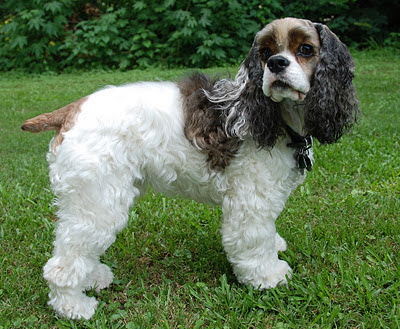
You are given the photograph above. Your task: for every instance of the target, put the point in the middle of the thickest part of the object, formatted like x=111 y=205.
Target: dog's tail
x=44 y=122
x=59 y=120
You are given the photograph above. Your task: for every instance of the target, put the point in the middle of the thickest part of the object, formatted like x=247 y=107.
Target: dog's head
x=288 y=50
x=305 y=62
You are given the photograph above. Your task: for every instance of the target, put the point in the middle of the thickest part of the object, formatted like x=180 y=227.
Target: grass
x=342 y=226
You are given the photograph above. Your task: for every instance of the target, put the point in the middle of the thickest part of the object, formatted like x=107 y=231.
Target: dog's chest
x=268 y=170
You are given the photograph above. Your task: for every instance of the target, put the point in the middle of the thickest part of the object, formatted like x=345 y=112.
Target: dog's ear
x=252 y=66
x=332 y=105
x=255 y=113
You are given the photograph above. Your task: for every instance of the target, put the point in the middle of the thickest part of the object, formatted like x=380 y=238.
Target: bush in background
x=39 y=35
x=359 y=23
x=32 y=33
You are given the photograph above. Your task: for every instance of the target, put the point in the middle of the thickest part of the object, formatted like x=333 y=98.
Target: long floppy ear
x=253 y=112
x=331 y=104
x=252 y=66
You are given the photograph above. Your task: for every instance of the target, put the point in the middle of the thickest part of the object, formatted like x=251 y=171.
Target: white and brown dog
x=243 y=144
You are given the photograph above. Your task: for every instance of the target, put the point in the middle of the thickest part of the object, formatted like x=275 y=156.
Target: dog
x=244 y=144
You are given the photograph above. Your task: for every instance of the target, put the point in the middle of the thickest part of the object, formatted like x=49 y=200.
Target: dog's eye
x=305 y=50
x=265 y=53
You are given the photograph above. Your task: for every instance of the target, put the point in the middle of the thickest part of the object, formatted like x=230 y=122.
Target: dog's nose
x=277 y=64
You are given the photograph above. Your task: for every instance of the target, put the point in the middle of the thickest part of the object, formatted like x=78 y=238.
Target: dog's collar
x=302 y=145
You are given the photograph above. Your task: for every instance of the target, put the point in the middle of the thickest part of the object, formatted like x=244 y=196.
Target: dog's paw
x=278 y=275
x=101 y=277
x=72 y=304
x=280 y=243
x=275 y=276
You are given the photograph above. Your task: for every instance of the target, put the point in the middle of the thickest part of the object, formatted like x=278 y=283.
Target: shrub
x=32 y=33
x=180 y=33
x=38 y=35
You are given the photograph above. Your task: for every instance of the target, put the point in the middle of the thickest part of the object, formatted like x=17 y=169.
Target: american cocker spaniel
x=244 y=144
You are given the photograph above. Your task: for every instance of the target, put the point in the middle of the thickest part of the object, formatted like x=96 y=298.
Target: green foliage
x=393 y=41
x=354 y=21
x=171 y=33
x=97 y=42
x=43 y=34
x=31 y=37
x=39 y=35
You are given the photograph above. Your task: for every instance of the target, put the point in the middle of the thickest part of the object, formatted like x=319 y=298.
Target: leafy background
x=57 y=35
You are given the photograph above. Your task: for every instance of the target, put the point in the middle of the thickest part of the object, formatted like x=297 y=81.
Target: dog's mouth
x=280 y=90
x=278 y=84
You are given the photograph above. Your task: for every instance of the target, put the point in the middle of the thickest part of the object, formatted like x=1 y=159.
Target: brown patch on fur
x=288 y=34
x=204 y=125
x=60 y=120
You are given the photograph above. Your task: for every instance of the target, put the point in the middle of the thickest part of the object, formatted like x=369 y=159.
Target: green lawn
x=342 y=226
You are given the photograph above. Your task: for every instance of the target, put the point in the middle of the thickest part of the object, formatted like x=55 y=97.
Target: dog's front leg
x=249 y=238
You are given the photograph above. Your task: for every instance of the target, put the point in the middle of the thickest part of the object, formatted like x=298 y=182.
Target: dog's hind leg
x=93 y=207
